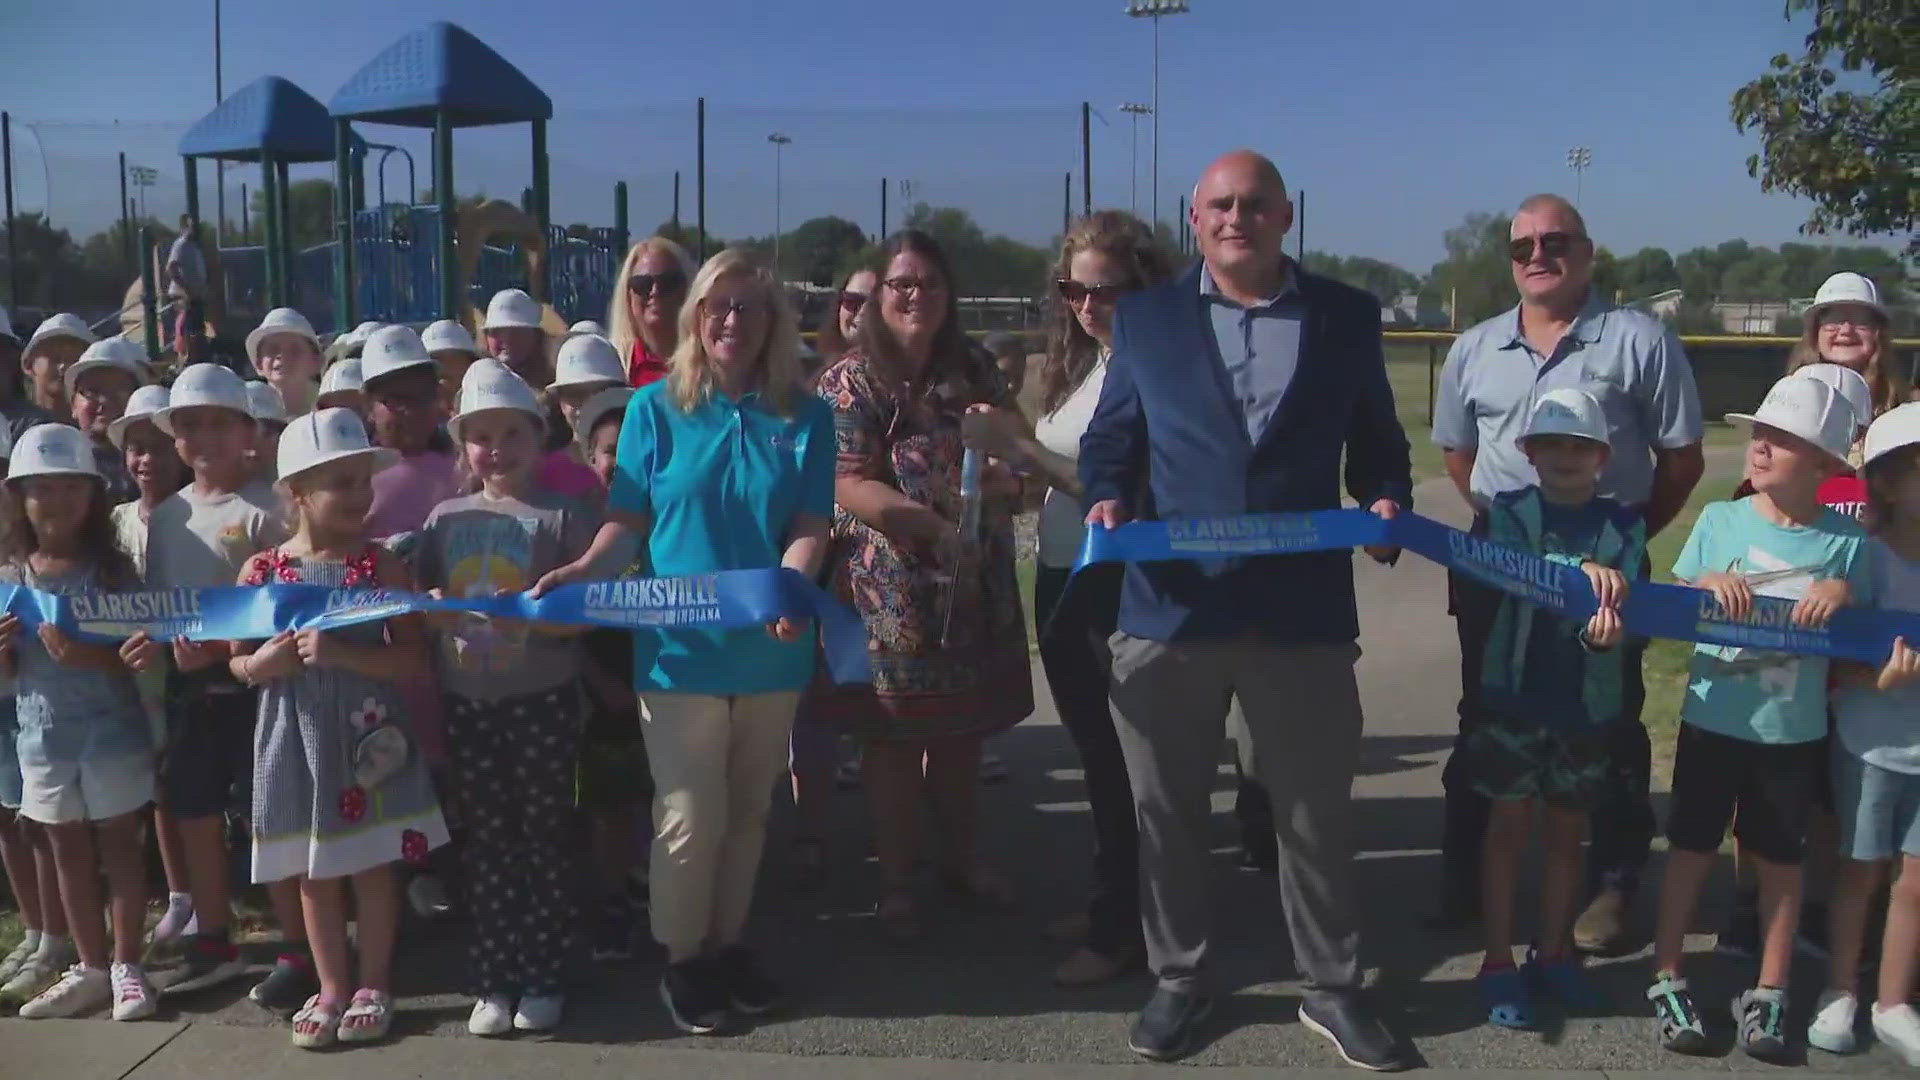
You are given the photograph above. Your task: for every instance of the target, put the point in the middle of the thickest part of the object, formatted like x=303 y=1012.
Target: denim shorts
x=1879 y=809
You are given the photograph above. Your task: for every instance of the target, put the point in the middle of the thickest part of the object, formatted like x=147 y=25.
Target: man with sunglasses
x=1562 y=334
x=1235 y=389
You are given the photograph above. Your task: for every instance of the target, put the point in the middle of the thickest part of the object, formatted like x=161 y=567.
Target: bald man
x=1561 y=334
x=1231 y=390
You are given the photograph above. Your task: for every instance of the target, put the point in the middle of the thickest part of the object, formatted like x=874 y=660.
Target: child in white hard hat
x=343 y=387
x=453 y=351
x=285 y=352
x=99 y=385
x=58 y=342
x=270 y=419
x=515 y=336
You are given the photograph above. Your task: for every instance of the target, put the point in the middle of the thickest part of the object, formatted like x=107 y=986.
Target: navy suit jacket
x=1168 y=441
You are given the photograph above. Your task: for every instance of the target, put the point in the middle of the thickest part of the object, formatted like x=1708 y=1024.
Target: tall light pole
x=1155 y=9
x=779 y=142
x=1136 y=110
x=1579 y=159
x=142 y=179
x=219 y=164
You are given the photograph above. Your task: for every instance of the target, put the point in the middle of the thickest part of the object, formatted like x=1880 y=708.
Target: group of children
x=410 y=463
x=1764 y=733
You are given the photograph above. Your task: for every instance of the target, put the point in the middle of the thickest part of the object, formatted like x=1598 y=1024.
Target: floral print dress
x=309 y=815
x=929 y=679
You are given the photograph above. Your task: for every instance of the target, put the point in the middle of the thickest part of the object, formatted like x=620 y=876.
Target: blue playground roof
x=269 y=116
x=440 y=67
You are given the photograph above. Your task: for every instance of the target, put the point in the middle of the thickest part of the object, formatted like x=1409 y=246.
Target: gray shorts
x=1879 y=809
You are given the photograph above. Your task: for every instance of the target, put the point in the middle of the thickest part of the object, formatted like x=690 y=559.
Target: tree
x=1647 y=272
x=689 y=236
x=1855 y=153
x=982 y=265
x=1383 y=279
x=1475 y=277
x=819 y=248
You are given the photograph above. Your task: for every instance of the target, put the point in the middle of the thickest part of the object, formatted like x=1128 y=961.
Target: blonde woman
x=725 y=464
x=644 y=316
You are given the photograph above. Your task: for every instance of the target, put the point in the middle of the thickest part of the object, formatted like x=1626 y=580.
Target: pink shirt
x=406 y=493
x=559 y=472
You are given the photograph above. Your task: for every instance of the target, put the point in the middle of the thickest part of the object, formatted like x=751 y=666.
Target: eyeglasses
x=668 y=283
x=851 y=302
x=913 y=284
x=1077 y=293
x=1858 y=320
x=718 y=311
x=1553 y=245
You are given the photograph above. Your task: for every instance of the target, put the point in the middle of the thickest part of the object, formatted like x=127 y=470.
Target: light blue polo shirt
x=722 y=484
x=1629 y=361
x=1259 y=346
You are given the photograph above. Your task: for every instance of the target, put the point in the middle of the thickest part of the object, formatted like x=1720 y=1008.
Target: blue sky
x=1396 y=117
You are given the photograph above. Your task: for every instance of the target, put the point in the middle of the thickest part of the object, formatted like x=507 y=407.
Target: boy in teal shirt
x=1753 y=720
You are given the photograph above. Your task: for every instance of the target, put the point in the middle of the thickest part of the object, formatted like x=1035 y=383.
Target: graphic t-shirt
x=479 y=546
x=1846 y=494
x=1883 y=727
x=200 y=541
x=1758 y=694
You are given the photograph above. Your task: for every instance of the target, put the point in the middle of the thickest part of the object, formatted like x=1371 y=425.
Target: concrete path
x=974 y=1001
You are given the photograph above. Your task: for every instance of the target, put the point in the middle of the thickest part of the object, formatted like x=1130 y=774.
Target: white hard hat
x=510 y=308
x=327 y=435
x=52 y=450
x=1568 y=411
x=587 y=326
x=448 y=334
x=587 y=360
x=142 y=405
x=265 y=403
x=392 y=349
x=281 y=320
x=118 y=353
x=1897 y=427
x=1809 y=409
x=596 y=408
x=490 y=385
x=343 y=377
x=208 y=385
x=1848 y=384
x=353 y=338
x=62 y=325
x=1846 y=287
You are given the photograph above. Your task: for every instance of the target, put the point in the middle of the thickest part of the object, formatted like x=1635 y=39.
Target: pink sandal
x=368 y=1017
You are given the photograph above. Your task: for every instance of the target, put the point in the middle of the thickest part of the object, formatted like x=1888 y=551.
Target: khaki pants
x=715 y=761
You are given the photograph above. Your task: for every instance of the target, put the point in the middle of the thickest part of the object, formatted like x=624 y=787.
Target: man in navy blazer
x=1234 y=390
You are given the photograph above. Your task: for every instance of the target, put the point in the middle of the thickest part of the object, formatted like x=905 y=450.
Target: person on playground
x=1750 y=750
x=1302 y=357
x=1550 y=691
x=643 y=318
x=186 y=275
x=1562 y=333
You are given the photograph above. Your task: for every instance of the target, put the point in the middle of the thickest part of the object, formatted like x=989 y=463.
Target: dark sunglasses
x=851 y=302
x=1553 y=245
x=1073 y=292
x=666 y=284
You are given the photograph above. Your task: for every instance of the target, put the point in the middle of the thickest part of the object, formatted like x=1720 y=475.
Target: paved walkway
x=974 y=1001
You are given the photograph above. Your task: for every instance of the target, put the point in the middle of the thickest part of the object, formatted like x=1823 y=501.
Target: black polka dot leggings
x=514 y=761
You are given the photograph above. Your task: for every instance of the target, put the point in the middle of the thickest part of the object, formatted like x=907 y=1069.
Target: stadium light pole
x=779 y=142
x=1579 y=159
x=219 y=164
x=1155 y=10
x=143 y=178
x=1136 y=110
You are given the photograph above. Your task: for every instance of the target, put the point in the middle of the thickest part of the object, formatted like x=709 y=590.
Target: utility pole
x=1136 y=110
x=779 y=142
x=1155 y=10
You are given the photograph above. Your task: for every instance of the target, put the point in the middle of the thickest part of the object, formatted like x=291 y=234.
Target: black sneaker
x=1761 y=1014
x=612 y=932
x=696 y=999
x=288 y=986
x=1740 y=937
x=207 y=960
x=1165 y=1028
x=1343 y=1019
x=1680 y=1028
x=749 y=990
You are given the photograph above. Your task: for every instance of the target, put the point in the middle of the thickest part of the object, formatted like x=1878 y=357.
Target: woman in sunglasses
x=643 y=317
x=1106 y=255
x=849 y=301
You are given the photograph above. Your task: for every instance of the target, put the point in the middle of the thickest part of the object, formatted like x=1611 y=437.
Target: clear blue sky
x=1397 y=117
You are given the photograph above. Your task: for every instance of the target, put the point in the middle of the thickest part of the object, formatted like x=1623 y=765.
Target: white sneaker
x=1832 y=1026
x=40 y=969
x=133 y=997
x=492 y=1016
x=539 y=1012
x=10 y=964
x=80 y=990
x=1899 y=1028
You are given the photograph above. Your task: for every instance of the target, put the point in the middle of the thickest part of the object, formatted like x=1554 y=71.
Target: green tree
x=1383 y=279
x=983 y=265
x=1854 y=152
x=818 y=248
x=1647 y=272
x=689 y=236
x=1475 y=276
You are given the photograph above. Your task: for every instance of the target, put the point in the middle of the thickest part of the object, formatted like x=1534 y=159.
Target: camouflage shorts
x=1513 y=759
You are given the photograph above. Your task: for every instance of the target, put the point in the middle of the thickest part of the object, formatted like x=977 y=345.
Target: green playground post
x=280 y=186
x=272 y=230
x=620 y=218
x=443 y=195
x=343 y=207
x=149 y=304
x=542 y=288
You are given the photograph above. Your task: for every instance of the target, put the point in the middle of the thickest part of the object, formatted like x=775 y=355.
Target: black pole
x=1301 y=245
x=883 y=209
x=343 y=167
x=676 y=200
x=219 y=166
x=13 y=263
x=1180 y=227
x=245 y=225
x=1066 y=207
x=700 y=179
x=126 y=216
x=1086 y=158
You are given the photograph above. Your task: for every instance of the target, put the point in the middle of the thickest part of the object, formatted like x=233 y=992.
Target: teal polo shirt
x=722 y=483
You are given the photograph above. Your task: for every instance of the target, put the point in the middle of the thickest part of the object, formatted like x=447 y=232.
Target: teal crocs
x=1505 y=993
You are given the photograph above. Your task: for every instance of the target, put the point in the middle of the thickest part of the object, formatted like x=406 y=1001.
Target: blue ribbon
x=726 y=600
x=1652 y=610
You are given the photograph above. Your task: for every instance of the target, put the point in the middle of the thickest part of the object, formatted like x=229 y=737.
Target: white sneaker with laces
x=492 y=1016
x=40 y=969
x=1899 y=1028
x=81 y=989
x=1832 y=1026
x=539 y=1012
x=10 y=964
x=133 y=997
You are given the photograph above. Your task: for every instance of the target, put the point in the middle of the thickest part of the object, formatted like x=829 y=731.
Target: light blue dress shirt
x=1260 y=346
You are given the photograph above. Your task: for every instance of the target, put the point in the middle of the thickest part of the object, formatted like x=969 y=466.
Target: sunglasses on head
x=851 y=302
x=664 y=284
x=1553 y=245
x=1074 y=292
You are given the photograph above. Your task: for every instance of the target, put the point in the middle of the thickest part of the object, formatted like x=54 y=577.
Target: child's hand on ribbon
x=1823 y=598
x=1731 y=592
x=140 y=652
x=1903 y=666
x=193 y=655
x=1603 y=629
x=317 y=648
x=276 y=658
x=786 y=628
x=1609 y=585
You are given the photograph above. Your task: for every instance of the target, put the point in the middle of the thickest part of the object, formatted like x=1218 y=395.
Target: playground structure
x=395 y=262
